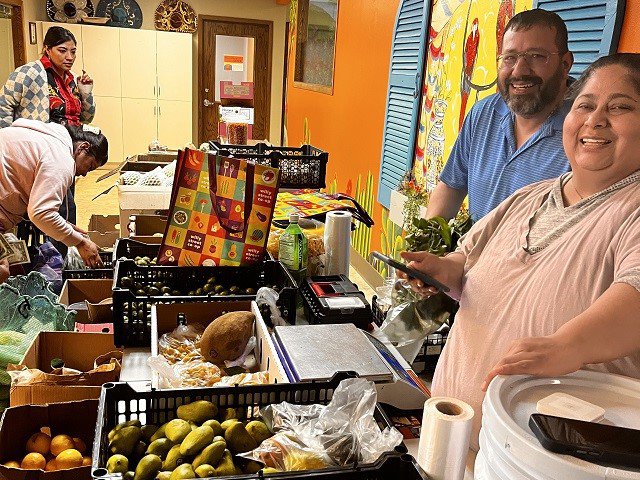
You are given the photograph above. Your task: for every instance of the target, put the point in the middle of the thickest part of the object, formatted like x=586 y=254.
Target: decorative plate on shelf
x=176 y=16
x=123 y=13
x=96 y=20
x=69 y=11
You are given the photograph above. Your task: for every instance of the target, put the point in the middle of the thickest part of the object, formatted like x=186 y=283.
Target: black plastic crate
x=119 y=402
x=128 y=248
x=300 y=167
x=132 y=312
x=92 y=273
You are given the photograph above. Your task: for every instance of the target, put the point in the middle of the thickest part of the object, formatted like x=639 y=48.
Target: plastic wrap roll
x=444 y=438
x=337 y=243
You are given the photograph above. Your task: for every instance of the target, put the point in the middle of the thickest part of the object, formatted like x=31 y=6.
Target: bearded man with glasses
x=512 y=138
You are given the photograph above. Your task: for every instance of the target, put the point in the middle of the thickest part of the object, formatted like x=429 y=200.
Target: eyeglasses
x=534 y=59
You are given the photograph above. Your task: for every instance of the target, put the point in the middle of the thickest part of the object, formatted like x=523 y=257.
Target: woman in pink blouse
x=549 y=281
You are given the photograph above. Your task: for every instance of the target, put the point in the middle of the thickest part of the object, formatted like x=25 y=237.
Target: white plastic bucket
x=510 y=451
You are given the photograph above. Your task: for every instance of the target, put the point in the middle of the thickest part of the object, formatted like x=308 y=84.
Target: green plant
x=436 y=235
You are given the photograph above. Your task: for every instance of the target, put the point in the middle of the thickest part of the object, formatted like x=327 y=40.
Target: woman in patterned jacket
x=46 y=90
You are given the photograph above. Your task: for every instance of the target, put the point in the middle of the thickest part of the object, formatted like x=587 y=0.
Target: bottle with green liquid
x=293 y=248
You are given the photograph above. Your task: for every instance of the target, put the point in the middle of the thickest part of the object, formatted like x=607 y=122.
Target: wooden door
x=175 y=66
x=174 y=123
x=262 y=34
x=102 y=59
x=138 y=63
x=139 y=124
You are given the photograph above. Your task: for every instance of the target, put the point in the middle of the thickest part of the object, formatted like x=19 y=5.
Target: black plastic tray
x=300 y=167
x=92 y=273
x=126 y=247
x=136 y=331
x=119 y=402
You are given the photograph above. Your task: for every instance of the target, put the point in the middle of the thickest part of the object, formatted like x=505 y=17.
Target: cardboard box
x=163 y=320
x=93 y=291
x=77 y=419
x=153 y=239
x=104 y=230
x=78 y=350
x=149 y=225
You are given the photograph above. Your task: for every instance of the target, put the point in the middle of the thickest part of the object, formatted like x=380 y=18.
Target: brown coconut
x=226 y=337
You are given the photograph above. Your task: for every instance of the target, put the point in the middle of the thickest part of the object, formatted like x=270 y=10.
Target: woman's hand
x=85 y=84
x=425 y=262
x=89 y=253
x=539 y=356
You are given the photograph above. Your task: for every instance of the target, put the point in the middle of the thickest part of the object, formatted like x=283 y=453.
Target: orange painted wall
x=630 y=36
x=349 y=123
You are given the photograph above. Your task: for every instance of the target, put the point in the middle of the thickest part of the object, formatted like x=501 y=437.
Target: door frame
x=249 y=21
x=17 y=31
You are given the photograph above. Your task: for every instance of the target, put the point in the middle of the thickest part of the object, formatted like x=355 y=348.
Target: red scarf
x=64 y=99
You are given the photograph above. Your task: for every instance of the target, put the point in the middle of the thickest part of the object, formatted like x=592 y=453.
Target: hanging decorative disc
x=176 y=16
x=123 y=13
x=69 y=11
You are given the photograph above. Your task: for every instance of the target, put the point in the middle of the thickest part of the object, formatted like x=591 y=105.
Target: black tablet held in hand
x=413 y=273
x=589 y=441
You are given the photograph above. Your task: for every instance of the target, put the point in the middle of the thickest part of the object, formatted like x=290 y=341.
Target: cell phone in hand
x=593 y=442
x=412 y=272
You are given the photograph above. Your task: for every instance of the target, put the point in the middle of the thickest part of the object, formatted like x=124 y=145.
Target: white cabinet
x=139 y=124
x=109 y=118
x=174 y=123
x=138 y=63
x=174 y=66
x=101 y=45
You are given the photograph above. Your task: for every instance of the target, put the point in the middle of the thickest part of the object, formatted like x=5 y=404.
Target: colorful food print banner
x=464 y=40
x=220 y=211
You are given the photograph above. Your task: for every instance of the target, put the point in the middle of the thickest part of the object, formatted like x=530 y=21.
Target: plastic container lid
x=508 y=448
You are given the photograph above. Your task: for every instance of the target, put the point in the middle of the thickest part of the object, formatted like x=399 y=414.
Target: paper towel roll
x=337 y=243
x=444 y=438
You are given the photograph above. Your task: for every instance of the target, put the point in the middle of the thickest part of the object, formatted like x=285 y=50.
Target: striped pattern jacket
x=25 y=95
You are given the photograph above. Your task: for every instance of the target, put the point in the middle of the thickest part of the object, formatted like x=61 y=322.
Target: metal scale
x=317 y=352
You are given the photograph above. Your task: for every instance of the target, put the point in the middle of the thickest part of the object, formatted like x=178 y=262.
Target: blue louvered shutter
x=403 y=97
x=594 y=27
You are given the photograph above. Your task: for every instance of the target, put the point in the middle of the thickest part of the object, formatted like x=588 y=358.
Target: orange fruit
x=51 y=465
x=39 y=443
x=79 y=445
x=70 y=458
x=87 y=461
x=33 y=461
x=60 y=443
x=12 y=464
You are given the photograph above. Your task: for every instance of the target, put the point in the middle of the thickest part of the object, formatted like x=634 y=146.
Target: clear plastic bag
x=412 y=318
x=247 y=360
x=181 y=345
x=269 y=297
x=285 y=452
x=73 y=260
x=342 y=433
x=196 y=373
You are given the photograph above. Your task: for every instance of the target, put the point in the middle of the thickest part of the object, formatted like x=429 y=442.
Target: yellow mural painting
x=460 y=70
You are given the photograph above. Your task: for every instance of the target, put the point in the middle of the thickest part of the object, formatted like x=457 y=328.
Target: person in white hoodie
x=38 y=163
